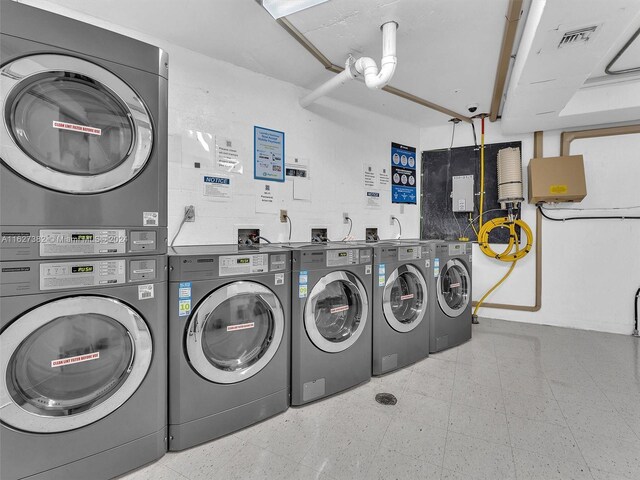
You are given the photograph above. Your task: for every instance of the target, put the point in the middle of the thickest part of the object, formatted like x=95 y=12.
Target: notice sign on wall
x=268 y=156
x=216 y=188
x=403 y=174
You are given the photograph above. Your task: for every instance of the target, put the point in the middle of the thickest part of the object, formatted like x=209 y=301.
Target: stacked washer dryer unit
x=451 y=320
x=229 y=334
x=402 y=297
x=330 y=319
x=83 y=284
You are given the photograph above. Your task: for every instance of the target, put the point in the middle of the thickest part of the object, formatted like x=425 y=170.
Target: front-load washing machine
x=83 y=138
x=330 y=319
x=83 y=367
x=229 y=336
x=451 y=321
x=402 y=297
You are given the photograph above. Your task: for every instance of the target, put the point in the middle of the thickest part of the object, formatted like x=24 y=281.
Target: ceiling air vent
x=577 y=37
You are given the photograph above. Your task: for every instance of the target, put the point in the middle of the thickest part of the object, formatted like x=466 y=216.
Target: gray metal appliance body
x=121 y=431
x=451 y=317
x=402 y=304
x=39 y=52
x=329 y=281
x=205 y=401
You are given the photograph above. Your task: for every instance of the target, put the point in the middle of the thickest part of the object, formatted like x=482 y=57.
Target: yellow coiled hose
x=512 y=253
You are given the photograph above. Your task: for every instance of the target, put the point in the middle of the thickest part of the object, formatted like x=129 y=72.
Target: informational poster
x=369 y=177
x=297 y=167
x=228 y=157
x=266 y=200
x=372 y=199
x=403 y=174
x=268 y=156
x=216 y=188
x=197 y=149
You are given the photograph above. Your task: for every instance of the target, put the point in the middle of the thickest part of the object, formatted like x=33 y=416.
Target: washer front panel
x=453 y=288
x=57 y=96
x=235 y=332
x=100 y=353
x=405 y=292
x=336 y=311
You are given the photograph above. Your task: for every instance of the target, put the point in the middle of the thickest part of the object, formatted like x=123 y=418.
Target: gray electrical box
x=462 y=193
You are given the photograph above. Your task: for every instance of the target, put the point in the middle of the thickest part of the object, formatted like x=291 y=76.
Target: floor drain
x=386 y=399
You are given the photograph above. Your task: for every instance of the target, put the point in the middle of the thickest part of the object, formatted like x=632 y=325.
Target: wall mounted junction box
x=557 y=179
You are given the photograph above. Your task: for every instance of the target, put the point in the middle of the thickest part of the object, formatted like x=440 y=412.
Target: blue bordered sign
x=403 y=174
x=184 y=299
x=268 y=154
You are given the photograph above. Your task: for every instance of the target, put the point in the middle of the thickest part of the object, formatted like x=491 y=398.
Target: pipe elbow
x=381 y=79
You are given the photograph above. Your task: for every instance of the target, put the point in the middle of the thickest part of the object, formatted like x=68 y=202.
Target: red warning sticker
x=454 y=285
x=240 y=326
x=77 y=128
x=406 y=297
x=77 y=359
x=342 y=308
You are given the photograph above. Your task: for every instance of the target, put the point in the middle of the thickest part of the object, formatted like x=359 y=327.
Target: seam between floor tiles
x=504 y=406
x=446 y=438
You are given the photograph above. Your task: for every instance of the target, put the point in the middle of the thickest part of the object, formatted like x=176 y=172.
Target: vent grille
x=577 y=37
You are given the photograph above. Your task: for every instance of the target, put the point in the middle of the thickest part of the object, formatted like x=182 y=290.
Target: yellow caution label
x=558 y=189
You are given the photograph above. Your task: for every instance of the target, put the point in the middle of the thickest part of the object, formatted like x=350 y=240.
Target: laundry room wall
x=211 y=99
x=590 y=268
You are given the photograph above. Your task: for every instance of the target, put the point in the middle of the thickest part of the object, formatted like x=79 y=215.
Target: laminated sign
x=403 y=174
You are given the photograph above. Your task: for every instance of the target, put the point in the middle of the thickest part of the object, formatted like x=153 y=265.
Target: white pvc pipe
x=364 y=66
x=325 y=88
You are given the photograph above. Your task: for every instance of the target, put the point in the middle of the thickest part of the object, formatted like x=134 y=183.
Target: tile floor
x=519 y=401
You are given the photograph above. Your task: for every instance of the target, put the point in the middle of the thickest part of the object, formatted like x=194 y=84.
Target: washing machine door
x=235 y=332
x=336 y=311
x=404 y=299
x=70 y=125
x=71 y=362
x=454 y=288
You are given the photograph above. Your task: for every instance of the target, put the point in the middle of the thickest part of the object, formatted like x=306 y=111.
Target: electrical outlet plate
x=190 y=216
x=345 y=217
x=248 y=236
x=283 y=216
x=319 y=232
x=391 y=220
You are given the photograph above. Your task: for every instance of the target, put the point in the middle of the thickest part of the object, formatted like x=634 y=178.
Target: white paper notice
x=197 y=149
x=216 y=188
x=372 y=199
x=301 y=188
x=266 y=200
x=369 y=176
x=384 y=178
x=228 y=156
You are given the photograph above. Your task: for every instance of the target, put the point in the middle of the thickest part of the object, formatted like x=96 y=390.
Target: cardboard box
x=557 y=179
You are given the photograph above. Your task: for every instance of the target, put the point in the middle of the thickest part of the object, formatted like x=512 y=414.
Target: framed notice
x=268 y=155
x=403 y=174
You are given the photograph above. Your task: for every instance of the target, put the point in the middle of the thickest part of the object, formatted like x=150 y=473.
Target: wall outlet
x=189 y=213
x=248 y=236
x=392 y=220
x=283 y=216
x=345 y=217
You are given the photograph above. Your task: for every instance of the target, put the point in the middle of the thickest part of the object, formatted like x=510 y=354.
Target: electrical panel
x=557 y=179
x=462 y=193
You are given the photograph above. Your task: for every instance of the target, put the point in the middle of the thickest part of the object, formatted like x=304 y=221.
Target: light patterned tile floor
x=519 y=401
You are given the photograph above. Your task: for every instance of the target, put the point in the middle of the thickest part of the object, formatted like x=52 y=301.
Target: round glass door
x=453 y=288
x=336 y=311
x=71 y=362
x=235 y=332
x=71 y=125
x=404 y=300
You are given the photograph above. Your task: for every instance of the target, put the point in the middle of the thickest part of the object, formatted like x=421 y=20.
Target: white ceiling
x=447 y=51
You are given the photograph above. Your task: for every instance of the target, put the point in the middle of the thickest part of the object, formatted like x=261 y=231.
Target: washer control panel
x=457 y=249
x=409 y=253
x=56 y=243
x=339 y=258
x=62 y=275
x=243 y=264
